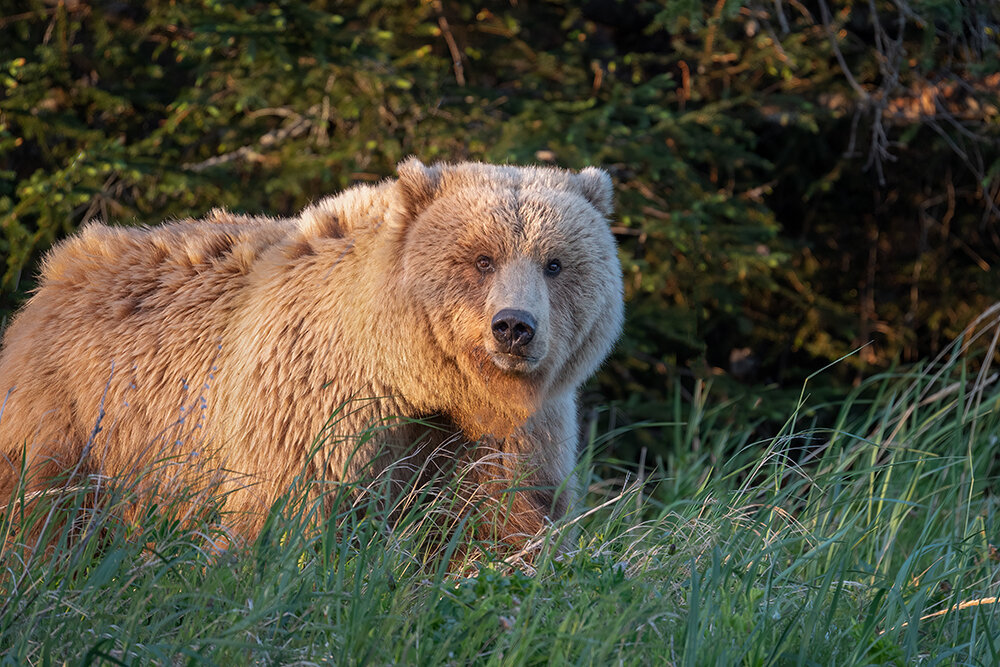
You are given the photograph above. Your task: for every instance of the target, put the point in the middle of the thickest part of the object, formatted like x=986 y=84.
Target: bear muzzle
x=513 y=332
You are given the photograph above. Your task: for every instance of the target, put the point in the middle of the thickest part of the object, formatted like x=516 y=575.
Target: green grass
x=870 y=539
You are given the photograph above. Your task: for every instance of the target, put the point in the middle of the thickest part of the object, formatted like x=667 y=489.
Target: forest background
x=797 y=182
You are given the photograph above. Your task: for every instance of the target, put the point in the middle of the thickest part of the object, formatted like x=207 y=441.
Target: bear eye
x=553 y=267
x=484 y=263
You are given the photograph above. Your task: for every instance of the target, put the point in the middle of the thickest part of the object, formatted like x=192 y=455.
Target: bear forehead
x=485 y=177
x=514 y=196
x=512 y=215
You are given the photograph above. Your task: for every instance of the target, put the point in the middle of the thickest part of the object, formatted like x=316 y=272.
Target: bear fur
x=459 y=307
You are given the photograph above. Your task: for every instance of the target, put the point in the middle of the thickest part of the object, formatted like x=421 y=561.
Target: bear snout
x=513 y=330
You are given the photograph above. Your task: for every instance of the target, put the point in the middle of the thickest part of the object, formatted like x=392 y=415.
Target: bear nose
x=513 y=329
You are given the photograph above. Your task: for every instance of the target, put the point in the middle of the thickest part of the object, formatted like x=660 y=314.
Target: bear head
x=517 y=275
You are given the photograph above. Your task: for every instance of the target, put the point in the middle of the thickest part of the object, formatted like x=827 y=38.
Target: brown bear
x=459 y=307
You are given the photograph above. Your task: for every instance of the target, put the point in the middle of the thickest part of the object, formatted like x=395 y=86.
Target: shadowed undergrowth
x=870 y=539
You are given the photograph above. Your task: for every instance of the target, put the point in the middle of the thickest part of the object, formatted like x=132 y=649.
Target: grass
x=870 y=539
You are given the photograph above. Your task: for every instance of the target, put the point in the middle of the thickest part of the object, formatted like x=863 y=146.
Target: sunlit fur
x=253 y=338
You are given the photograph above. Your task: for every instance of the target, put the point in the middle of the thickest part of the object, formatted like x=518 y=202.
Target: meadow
x=862 y=533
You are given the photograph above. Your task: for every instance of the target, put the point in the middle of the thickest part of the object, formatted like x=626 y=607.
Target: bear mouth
x=514 y=363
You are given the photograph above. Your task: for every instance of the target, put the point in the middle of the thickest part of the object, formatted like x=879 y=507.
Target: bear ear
x=597 y=188
x=417 y=184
